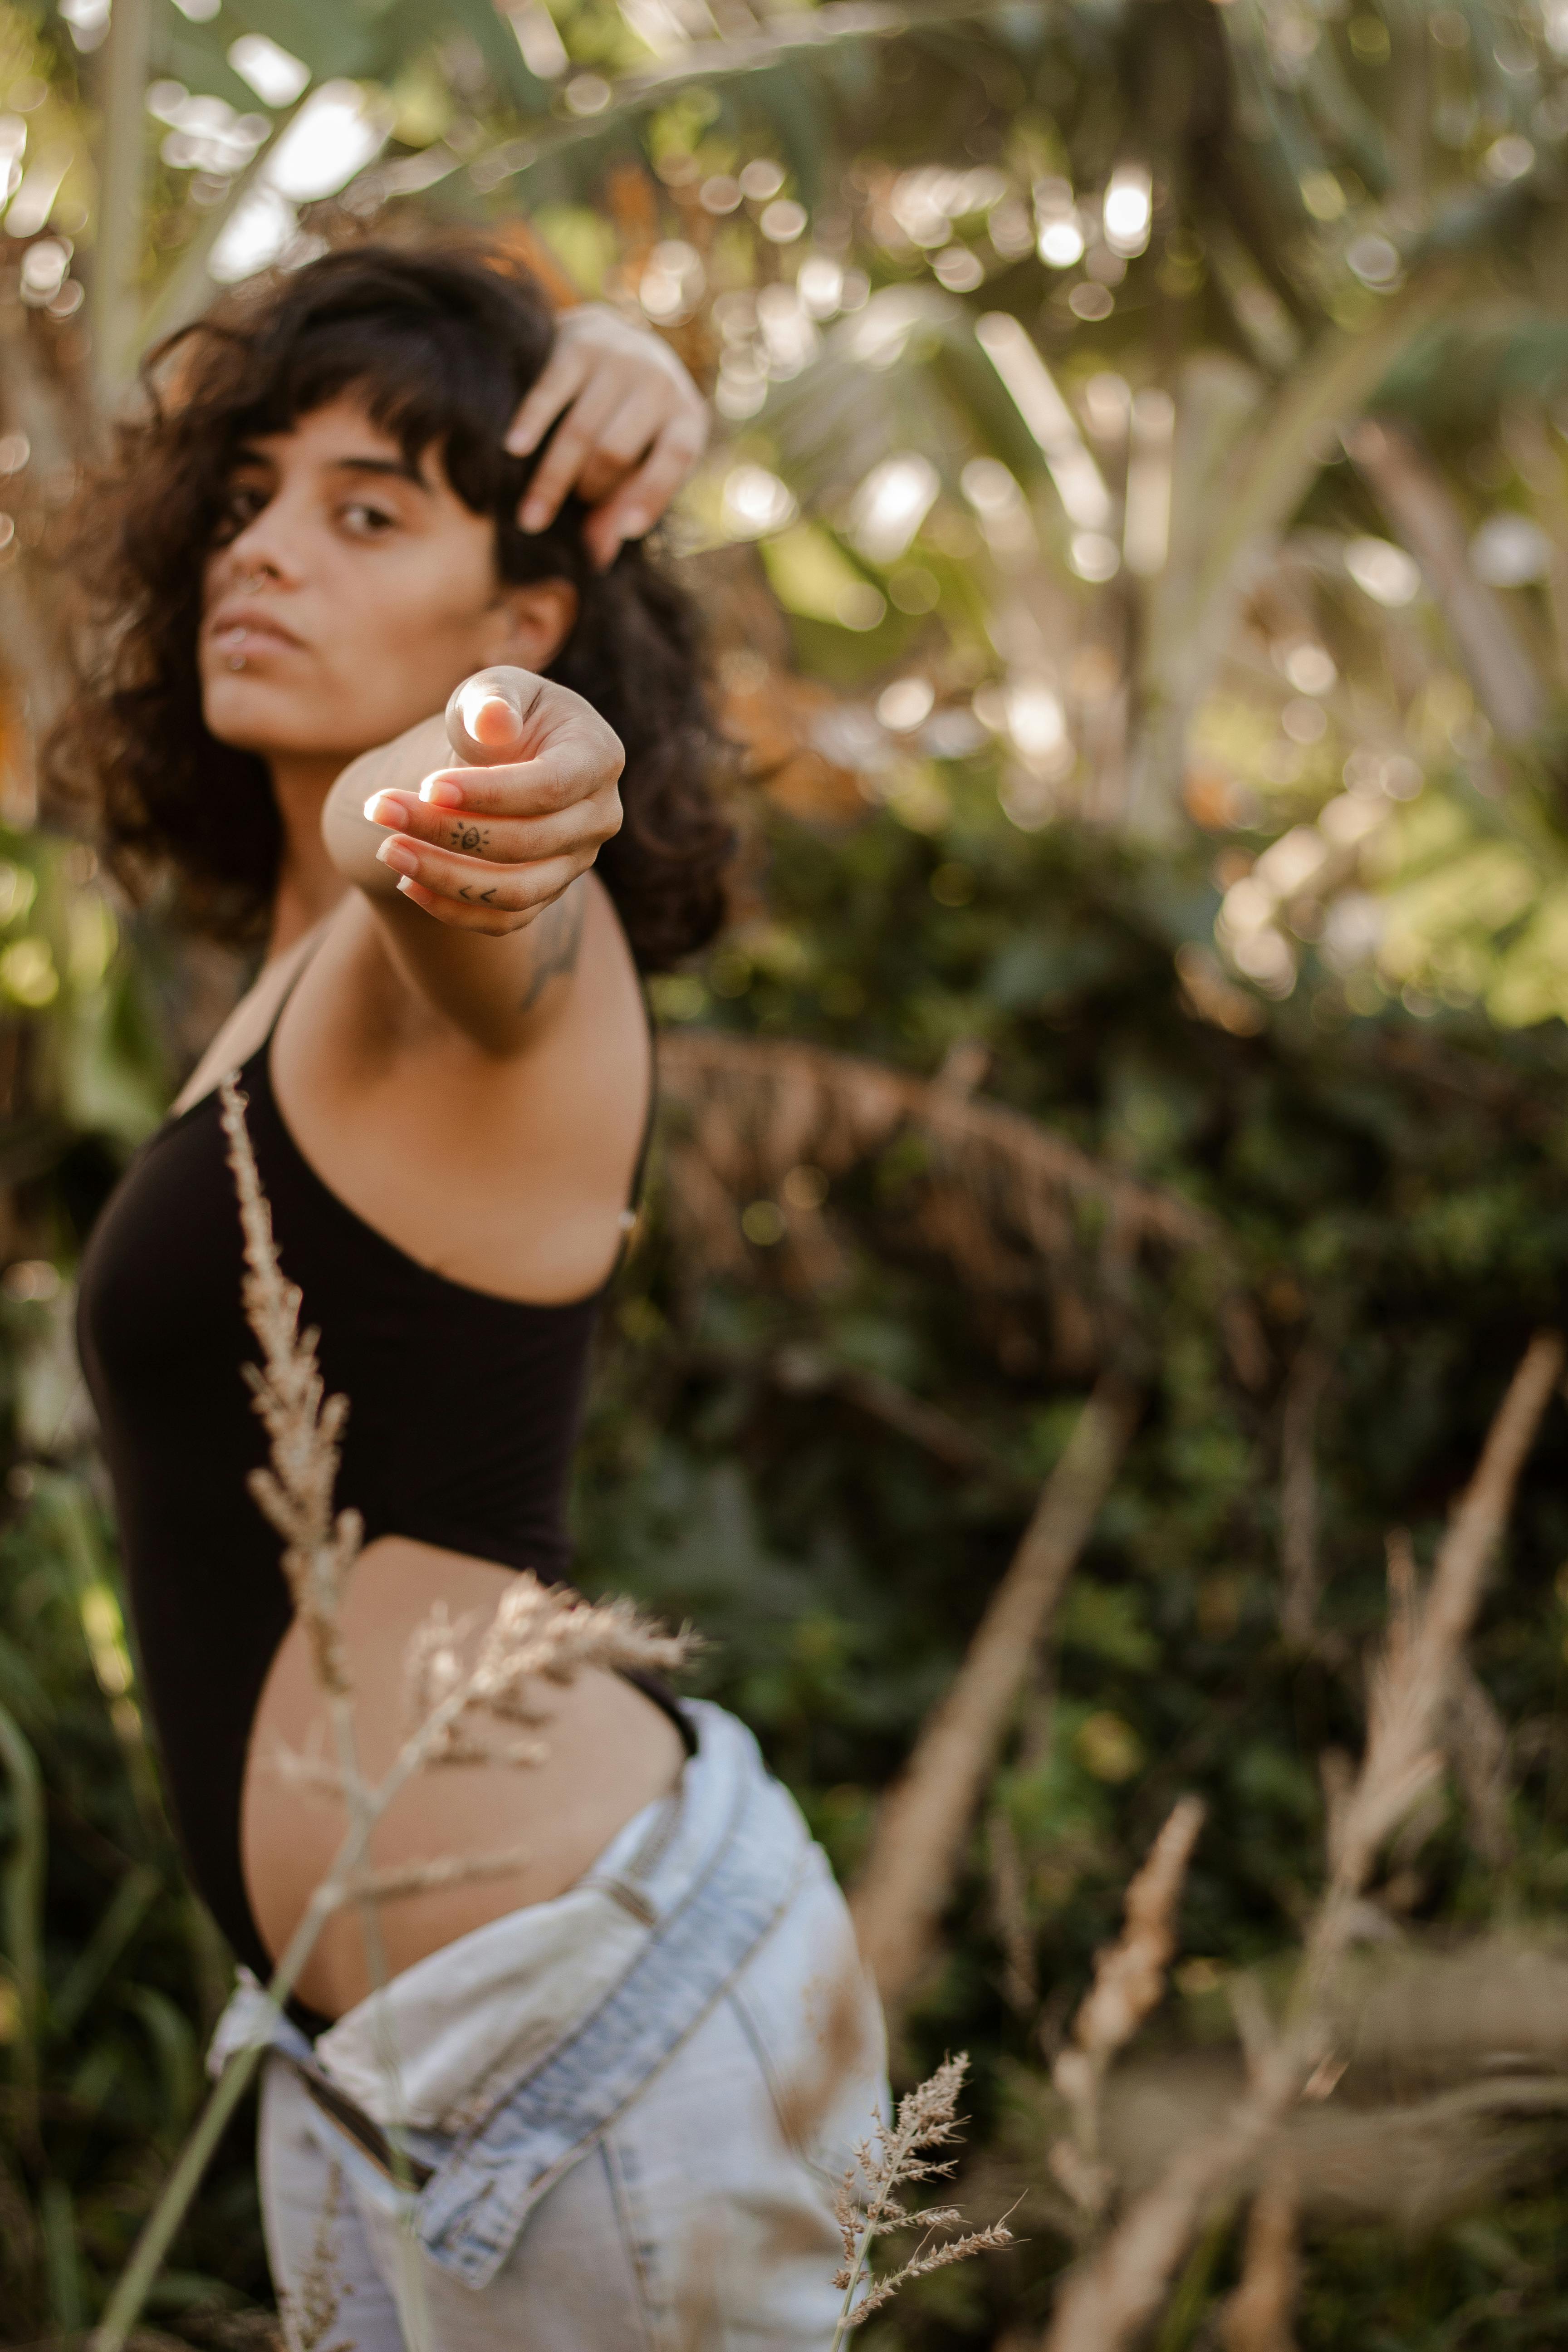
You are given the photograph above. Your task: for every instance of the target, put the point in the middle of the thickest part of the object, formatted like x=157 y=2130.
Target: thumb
x=486 y=716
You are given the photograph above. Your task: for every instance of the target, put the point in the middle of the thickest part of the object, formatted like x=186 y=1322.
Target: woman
x=621 y=2080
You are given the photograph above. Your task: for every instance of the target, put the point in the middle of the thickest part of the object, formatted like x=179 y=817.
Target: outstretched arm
x=472 y=835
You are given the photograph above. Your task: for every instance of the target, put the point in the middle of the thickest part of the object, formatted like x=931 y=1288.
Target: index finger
x=576 y=435
x=562 y=377
x=561 y=775
x=638 y=501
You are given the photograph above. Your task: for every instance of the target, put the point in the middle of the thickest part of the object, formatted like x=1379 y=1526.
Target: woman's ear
x=537 y=619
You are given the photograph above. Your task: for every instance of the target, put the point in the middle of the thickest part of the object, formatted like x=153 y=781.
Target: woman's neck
x=309 y=884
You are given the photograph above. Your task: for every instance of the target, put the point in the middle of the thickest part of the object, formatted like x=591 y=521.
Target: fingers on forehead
x=656 y=482
x=563 y=372
x=687 y=428
x=648 y=490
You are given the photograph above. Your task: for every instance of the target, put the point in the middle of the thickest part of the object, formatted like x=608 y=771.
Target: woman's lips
x=238 y=631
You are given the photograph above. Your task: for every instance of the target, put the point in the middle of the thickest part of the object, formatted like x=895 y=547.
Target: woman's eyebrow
x=396 y=469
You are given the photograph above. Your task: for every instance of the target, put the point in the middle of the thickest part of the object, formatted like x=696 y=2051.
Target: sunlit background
x=1038 y=388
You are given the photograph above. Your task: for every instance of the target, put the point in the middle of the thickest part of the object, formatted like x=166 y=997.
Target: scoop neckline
x=261 y=1059
x=349 y=1215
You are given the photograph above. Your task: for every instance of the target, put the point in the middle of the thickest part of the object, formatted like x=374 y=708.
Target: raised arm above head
x=632 y=426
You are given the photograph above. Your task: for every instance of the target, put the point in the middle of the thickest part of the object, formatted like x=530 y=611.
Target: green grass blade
x=133 y=1900
x=21 y=1904
x=62 y=2257
x=174 y=2048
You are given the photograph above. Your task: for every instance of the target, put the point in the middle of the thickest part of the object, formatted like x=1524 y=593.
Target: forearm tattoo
x=559 y=935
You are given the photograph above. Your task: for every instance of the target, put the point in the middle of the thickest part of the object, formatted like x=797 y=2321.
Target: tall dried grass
x=1257 y=2317
x=467 y=1703
x=871 y=2204
x=1117 y=2290
x=1128 y=1982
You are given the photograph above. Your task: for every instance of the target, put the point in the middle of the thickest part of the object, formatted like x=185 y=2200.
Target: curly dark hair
x=441 y=343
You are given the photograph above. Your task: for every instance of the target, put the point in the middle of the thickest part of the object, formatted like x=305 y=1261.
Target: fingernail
x=533 y=516
x=441 y=792
x=634 y=522
x=518 y=444
x=406 y=885
x=384 y=808
x=397 y=854
x=489 y=717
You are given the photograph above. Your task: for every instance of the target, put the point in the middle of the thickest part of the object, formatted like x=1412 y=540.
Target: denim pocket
x=813 y=2020
x=730 y=2228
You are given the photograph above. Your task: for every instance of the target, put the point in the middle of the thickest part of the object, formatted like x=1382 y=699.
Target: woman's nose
x=262 y=552
x=250 y=569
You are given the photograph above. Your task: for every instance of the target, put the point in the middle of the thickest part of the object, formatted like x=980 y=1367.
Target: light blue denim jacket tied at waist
x=716 y=1871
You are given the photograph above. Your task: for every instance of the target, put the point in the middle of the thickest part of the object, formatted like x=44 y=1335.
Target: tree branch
x=1422 y=513
x=921 y=1825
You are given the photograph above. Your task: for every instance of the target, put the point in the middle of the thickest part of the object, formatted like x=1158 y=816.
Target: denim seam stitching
x=621 y=2204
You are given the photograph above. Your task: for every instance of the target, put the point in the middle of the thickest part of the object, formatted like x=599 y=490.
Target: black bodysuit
x=463 y=1415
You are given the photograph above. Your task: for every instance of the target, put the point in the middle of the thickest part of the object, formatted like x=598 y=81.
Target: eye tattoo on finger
x=470 y=838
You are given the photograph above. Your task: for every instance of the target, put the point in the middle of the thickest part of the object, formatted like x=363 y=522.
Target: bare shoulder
x=362 y=1022
x=507 y=1173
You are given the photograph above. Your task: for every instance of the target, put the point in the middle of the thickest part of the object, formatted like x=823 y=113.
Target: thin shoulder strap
x=310 y=945
x=260 y=1053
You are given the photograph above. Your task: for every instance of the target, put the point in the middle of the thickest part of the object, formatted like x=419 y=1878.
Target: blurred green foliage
x=1396 y=1190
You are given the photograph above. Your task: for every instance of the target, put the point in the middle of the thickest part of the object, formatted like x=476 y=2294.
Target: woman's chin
x=241 y=712
x=251 y=714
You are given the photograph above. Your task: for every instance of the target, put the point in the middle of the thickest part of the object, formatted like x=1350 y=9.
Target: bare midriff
x=610 y=1750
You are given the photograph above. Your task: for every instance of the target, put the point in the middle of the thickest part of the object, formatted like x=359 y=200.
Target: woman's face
x=355 y=595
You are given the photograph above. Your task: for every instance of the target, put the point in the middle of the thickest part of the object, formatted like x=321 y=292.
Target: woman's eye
x=242 y=505
x=366 y=521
